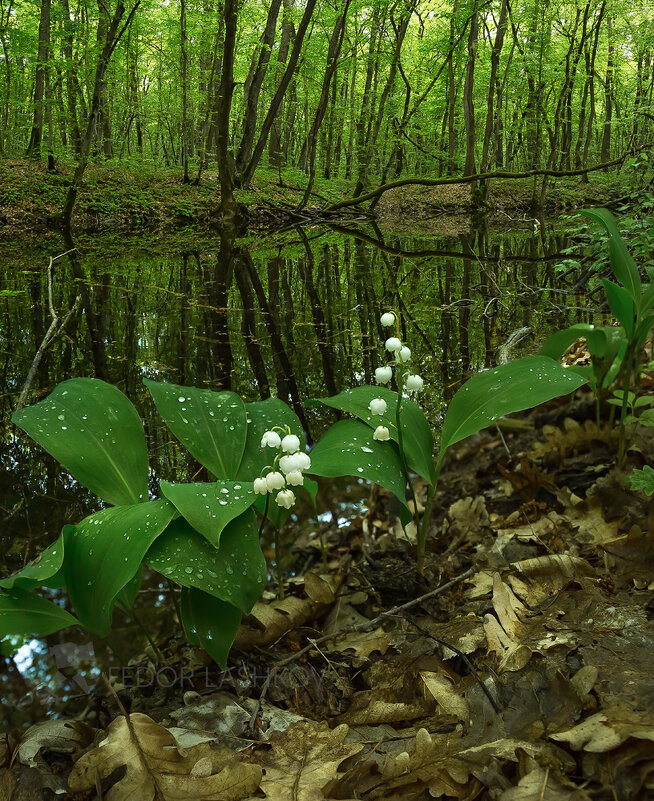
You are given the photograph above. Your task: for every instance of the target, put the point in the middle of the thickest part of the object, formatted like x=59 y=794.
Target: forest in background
x=360 y=92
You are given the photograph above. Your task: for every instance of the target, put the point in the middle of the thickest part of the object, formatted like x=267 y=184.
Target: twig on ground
x=361 y=627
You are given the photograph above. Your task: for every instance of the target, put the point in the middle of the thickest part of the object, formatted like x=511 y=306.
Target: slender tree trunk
x=227 y=209
x=71 y=91
x=186 y=132
x=43 y=54
x=287 y=33
x=608 y=94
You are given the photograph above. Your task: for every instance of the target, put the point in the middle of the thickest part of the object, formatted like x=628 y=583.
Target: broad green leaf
x=502 y=390
x=211 y=425
x=624 y=267
x=235 y=572
x=621 y=305
x=643 y=330
x=556 y=345
x=104 y=553
x=261 y=417
x=21 y=612
x=642 y=480
x=95 y=432
x=348 y=449
x=44 y=571
x=127 y=596
x=208 y=508
x=416 y=433
x=209 y=622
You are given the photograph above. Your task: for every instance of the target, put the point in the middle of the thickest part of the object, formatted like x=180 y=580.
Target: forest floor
x=528 y=678
x=144 y=198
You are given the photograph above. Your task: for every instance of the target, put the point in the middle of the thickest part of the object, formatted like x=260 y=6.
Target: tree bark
x=40 y=78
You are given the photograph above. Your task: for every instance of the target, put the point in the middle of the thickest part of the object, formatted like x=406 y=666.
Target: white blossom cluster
x=287 y=467
x=412 y=381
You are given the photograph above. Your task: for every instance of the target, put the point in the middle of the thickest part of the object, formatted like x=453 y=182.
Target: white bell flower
x=289 y=463
x=377 y=406
x=393 y=345
x=291 y=443
x=405 y=354
x=260 y=486
x=383 y=374
x=272 y=439
x=285 y=498
x=303 y=460
x=295 y=479
x=275 y=481
x=381 y=434
x=414 y=383
x=388 y=319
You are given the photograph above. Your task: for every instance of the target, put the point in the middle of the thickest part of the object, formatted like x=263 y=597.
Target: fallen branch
x=466 y=179
x=361 y=627
x=52 y=332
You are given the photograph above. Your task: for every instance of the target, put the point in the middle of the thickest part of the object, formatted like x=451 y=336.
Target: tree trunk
x=43 y=53
x=186 y=133
x=227 y=209
x=608 y=94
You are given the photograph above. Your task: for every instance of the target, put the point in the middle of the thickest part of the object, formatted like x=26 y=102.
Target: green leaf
x=416 y=432
x=44 y=571
x=642 y=480
x=235 y=572
x=95 y=432
x=209 y=622
x=208 y=508
x=127 y=596
x=104 y=553
x=621 y=305
x=211 y=425
x=21 y=612
x=624 y=267
x=348 y=449
x=555 y=346
x=261 y=417
x=502 y=390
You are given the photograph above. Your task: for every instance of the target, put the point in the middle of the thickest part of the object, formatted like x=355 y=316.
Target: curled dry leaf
x=304 y=760
x=157 y=768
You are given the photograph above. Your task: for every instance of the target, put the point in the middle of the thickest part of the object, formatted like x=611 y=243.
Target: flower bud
x=388 y=319
x=377 y=406
x=260 y=486
x=272 y=439
x=289 y=463
x=393 y=344
x=285 y=498
x=405 y=354
x=295 y=479
x=275 y=481
x=414 y=383
x=303 y=460
x=291 y=443
x=383 y=374
x=381 y=434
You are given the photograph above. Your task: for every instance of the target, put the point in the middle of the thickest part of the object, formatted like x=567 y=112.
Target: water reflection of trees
x=297 y=318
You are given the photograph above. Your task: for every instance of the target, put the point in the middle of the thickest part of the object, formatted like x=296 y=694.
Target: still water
x=295 y=315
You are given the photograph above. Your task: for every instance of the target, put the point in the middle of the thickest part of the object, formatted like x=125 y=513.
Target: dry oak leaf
x=598 y=734
x=540 y=784
x=157 y=768
x=304 y=760
x=57 y=735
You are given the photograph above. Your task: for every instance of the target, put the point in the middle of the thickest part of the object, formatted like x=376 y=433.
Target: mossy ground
x=141 y=197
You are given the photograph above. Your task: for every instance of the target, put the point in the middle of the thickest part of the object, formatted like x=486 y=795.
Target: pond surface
x=294 y=315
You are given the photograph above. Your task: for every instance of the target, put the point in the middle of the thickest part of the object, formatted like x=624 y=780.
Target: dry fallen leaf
x=304 y=760
x=155 y=766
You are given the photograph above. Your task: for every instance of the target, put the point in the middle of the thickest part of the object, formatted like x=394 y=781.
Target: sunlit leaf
x=22 y=612
x=235 y=572
x=642 y=480
x=95 y=432
x=104 y=553
x=416 y=432
x=209 y=622
x=348 y=449
x=211 y=425
x=502 y=390
x=261 y=417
